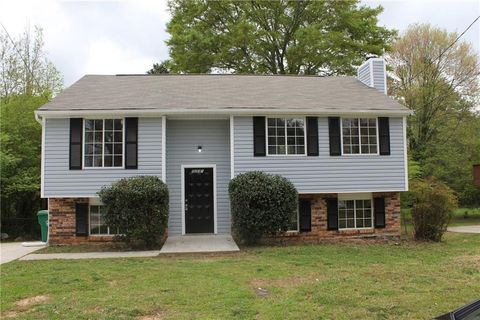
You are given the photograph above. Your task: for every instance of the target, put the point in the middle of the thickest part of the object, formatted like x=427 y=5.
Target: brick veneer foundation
x=61 y=215
x=62 y=222
x=319 y=221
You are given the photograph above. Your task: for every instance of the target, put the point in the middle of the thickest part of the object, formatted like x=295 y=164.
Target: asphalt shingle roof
x=221 y=92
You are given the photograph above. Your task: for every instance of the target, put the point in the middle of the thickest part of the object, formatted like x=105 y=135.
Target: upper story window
x=103 y=143
x=286 y=136
x=359 y=135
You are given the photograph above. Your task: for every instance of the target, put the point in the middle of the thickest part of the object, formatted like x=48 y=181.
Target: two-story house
x=340 y=140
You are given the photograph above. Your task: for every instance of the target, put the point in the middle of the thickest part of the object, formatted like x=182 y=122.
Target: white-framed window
x=359 y=136
x=355 y=213
x=97 y=222
x=103 y=143
x=285 y=136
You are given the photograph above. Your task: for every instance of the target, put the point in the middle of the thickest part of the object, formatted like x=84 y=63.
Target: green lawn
x=343 y=281
x=461 y=216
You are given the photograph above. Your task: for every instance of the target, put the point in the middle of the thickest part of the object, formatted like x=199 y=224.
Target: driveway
x=465 y=229
x=10 y=251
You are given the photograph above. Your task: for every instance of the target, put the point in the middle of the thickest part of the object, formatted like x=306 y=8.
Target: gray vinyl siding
x=379 y=75
x=372 y=73
x=59 y=181
x=183 y=139
x=363 y=74
x=325 y=173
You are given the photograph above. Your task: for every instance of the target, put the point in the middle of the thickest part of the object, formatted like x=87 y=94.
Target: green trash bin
x=42 y=217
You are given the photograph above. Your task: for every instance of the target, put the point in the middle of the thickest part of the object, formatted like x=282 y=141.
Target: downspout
x=41 y=120
x=38 y=118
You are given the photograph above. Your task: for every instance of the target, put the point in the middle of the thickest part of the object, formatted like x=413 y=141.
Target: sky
x=112 y=37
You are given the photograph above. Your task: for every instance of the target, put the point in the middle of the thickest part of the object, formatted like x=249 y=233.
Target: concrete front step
x=199 y=243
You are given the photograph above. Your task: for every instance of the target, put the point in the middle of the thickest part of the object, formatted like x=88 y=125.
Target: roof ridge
x=225 y=75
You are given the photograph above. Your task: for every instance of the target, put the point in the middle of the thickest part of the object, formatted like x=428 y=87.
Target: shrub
x=138 y=208
x=433 y=203
x=262 y=204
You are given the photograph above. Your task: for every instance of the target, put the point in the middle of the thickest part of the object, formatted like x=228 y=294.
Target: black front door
x=199 y=200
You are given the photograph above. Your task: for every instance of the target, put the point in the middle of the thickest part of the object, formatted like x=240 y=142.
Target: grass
x=403 y=280
x=90 y=247
x=460 y=217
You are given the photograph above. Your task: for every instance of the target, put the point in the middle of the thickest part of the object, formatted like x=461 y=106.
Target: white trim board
x=185 y=166
x=42 y=160
x=405 y=157
x=232 y=147
x=164 y=149
x=299 y=192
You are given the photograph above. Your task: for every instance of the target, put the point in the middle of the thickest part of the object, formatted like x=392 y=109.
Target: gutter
x=226 y=111
x=38 y=118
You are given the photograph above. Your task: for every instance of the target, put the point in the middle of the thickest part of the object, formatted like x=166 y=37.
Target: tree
x=452 y=154
x=20 y=140
x=27 y=81
x=437 y=80
x=273 y=37
x=24 y=67
x=160 y=68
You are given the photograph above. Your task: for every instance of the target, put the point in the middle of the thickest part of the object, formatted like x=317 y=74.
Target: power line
x=448 y=48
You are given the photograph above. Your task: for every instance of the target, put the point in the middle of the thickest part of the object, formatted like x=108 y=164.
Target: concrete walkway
x=91 y=255
x=465 y=229
x=10 y=251
x=200 y=243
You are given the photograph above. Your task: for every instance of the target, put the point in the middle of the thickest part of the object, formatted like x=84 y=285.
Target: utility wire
x=20 y=55
x=448 y=48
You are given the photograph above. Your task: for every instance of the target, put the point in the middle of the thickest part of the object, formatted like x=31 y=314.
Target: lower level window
x=355 y=214
x=97 y=222
x=293 y=223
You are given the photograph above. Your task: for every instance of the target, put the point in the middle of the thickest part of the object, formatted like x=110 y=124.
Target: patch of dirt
x=10 y=314
x=156 y=316
x=468 y=261
x=27 y=302
x=96 y=310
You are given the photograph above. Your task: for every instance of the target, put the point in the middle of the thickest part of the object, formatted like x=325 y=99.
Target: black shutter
x=81 y=219
x=259 y=136
x=379 y=212
x=76 y=129
x=334 y=136
x=384 y=136
x=332 y=214
x=305 y=215
x=131 y=143
x=312 y=136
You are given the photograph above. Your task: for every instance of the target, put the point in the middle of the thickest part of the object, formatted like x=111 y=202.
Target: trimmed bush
x=433 y=203
x=261 y=204
x=138 y=208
